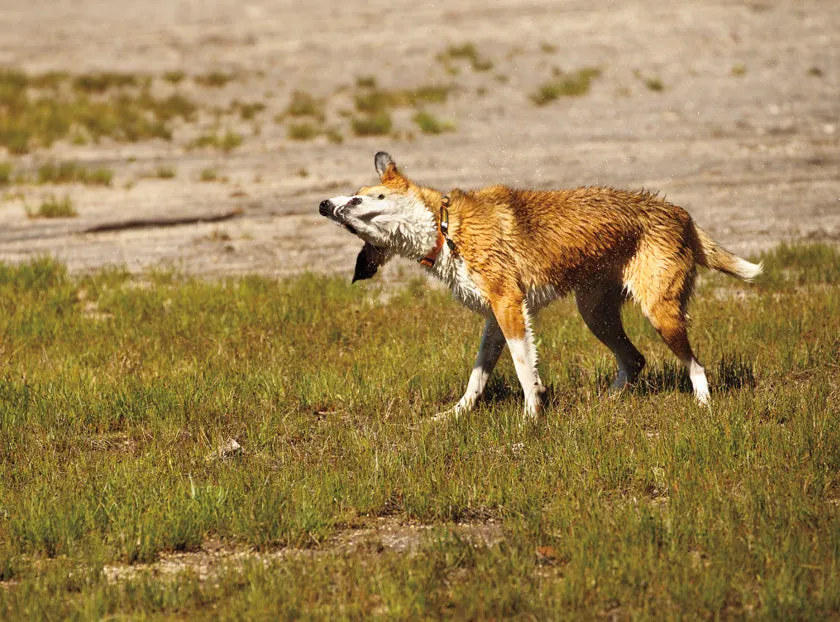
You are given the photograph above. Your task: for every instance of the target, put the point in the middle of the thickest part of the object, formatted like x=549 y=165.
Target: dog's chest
x=452 y=270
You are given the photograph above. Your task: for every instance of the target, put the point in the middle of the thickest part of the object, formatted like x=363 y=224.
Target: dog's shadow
x=731 y=373
x=502 y=390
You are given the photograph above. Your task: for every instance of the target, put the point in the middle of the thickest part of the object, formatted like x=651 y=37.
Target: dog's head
x=391 y=218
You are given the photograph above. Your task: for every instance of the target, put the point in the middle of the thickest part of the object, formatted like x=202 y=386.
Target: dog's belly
x=539 y=297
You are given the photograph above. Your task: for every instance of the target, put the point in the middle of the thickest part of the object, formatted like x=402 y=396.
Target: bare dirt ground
x=381 y=535
x=745 y=132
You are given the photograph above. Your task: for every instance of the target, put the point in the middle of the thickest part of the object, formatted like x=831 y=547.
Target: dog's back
x=568 y=239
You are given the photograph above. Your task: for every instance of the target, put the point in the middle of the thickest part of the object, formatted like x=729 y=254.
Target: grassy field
x=116 y=393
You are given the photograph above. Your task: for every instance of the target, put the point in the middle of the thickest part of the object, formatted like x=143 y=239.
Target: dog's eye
x=381 y=196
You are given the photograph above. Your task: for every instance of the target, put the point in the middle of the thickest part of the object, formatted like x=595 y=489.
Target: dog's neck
x=416 y=233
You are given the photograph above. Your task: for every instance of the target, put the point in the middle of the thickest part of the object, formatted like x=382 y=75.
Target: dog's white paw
x=703 y=399
x=450 y=414
x=534 y=403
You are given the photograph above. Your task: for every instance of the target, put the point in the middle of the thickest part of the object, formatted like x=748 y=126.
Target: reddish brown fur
x=516 y=240
x=602 y=244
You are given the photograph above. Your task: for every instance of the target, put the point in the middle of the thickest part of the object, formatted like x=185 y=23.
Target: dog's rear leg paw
x=626 y=379
x=453 y=413
x=703 y=399
x=619 y=385
x=464 y=405
x=446 y=415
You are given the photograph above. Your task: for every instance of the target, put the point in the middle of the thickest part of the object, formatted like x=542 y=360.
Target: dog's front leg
x=513 y=317
x=492 y=344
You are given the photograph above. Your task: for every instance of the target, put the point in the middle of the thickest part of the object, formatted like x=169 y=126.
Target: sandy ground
x=380 y=535
x=753 y=154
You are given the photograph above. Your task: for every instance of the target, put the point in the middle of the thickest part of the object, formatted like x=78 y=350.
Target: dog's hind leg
x=492 y=344
x=600 y=307
x=668 y=318
x=662 y=282
x=512 y=314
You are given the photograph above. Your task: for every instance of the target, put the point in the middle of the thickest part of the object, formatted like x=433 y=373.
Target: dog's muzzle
x=336 y=212
x=331 y=210
x=326 y=208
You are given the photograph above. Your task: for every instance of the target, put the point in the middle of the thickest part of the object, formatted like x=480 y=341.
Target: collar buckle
x=443 y=235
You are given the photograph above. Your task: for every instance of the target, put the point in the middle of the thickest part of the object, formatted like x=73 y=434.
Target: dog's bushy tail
x=711 y=255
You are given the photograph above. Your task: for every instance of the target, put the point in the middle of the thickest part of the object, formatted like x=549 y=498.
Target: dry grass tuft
x=567 y=85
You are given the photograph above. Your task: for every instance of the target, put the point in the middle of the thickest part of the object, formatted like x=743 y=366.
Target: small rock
x=226 y=450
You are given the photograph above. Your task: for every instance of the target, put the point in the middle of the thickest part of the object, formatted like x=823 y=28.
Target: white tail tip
x=748 y=270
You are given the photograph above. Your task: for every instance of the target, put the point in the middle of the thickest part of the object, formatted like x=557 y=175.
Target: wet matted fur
x=506 y=253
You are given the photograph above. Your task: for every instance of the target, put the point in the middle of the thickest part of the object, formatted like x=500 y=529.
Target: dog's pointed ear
x=368 y=261
x=385 y=166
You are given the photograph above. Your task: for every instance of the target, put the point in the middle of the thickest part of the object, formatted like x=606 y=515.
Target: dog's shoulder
x=483 y=204
x=511 y=209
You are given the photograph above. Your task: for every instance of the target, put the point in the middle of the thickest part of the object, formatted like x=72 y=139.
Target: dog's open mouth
x=337 y=217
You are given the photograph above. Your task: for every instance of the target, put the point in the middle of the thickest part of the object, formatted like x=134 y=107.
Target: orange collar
x=429 y=259
x=443 y=229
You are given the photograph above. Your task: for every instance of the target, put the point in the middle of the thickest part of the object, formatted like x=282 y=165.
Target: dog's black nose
x=326 y=207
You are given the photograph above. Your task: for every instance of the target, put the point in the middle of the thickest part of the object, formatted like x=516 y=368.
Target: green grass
x=71 y=172
x=655 y=84
x=247 y=110
x=102 y=82
x=570 y=85
x=208 y=174
x=51 y=80
x=377 y=101
x=303 y=131
x=165 y=172
x=430 y=124
x=226 y=142
x=213 y=79
x=303 y=104
x=115 y=391
x=374 y=125
x=54 y=207
x=334 y=135
x=174 y=77
x=66 y=172
x=116 y=106
x=366 y=82
x=468 y=52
